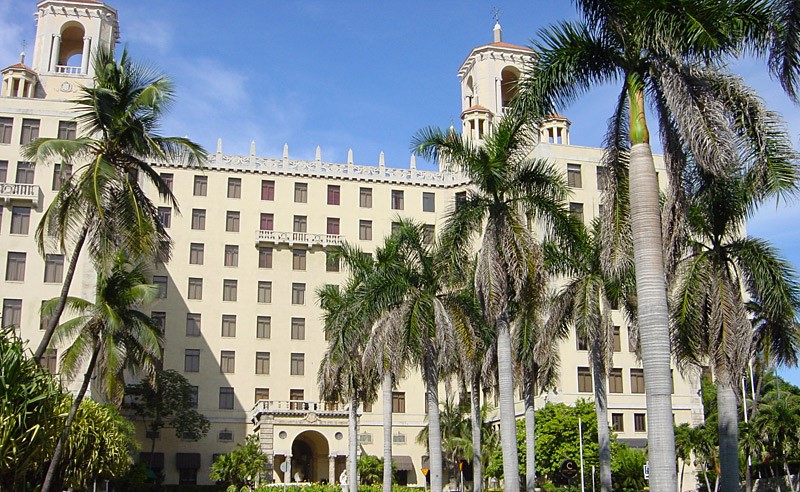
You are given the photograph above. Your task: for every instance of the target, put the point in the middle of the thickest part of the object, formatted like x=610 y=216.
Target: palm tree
x=683 y=447
x=710 y=320
x=103 y=201
x=110 y=335
x=510 y=190
x=658 y=52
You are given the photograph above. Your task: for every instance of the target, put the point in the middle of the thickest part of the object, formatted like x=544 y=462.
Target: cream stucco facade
x=238 y=303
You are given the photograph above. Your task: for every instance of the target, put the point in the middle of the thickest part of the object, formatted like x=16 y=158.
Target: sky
x=350 y=74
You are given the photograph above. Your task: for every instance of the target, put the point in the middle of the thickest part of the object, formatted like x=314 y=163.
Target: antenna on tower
x=22 y=52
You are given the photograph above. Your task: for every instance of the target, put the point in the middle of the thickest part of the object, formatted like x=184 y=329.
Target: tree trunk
x=477 y=428
x=352 y=445
x=683 y=467
x=508 y=423
x=434 y=427
x=62 y=440
x=653 y=317
x=386 y=387
x=529 y=389
x=603 y=434
x=728 y=435
x=62 y=300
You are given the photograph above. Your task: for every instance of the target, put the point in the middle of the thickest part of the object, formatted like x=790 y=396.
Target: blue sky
x=353 y=74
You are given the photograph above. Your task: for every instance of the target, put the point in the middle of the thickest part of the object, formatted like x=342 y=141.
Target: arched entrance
x=310 y=452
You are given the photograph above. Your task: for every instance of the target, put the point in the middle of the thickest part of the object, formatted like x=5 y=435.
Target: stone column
x=332 y=469
x=55 y=52
x=87 y=45
x=287 y=475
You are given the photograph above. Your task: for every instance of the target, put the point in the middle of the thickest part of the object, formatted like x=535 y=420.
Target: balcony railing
x=20 y=192
x=66 y=69
x=298 y=408
x=306 y=238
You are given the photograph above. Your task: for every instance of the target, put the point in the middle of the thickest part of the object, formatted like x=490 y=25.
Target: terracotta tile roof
x=509 y=45
x=478 y=107
x=19 y=66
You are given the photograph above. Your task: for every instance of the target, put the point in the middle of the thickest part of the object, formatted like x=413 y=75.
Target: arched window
x=70 y=54
x=508 y=85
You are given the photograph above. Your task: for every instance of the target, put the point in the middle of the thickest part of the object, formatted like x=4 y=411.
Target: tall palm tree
x=110 y=336
x=658 y=52
x=103 y=201
x=710 y=320
x=510 y=190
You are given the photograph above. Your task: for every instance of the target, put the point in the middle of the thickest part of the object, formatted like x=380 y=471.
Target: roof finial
x=22 y=53
x=498 y=31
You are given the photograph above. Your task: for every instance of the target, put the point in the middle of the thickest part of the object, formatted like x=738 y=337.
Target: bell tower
x=489 y=78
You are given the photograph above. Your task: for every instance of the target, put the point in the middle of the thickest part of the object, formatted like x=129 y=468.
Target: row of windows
x=639 y=422
x=575 y=176
x=26 y=172
x=230 y=290
x=616 y=338
x=30 y=130
x=20 y=220
x=263 y=325
x=615 y=385
x=15 y=267
x=227 y=362
x=231 y=257
x=234 y=190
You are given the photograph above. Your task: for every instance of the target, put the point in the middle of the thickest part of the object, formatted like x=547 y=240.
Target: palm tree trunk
x=62 y=440
x=728 y=435
x=508 y=422
x=386 y=387
x=530 y=431
x=603 y=435
x=683 y=467
x=434 y=426
x=352 y=445
x=62 y=300
x=477 y=423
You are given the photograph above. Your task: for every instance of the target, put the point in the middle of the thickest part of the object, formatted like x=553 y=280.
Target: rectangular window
x=602 y=178
x=298 y=259
x=67 y=130
x=297 y=395
x=168 y=179
x=576 y=209
x=20 y=220
x=615 y=381
x=617 y=422
x=365 y=197
x=226 y=398
x=580 y=342
x=331 y=262
x=61 y=173
x=262 y=394
x=428 y=202
x=398 y=402
x=267 y=189
x=395 y=227
x=262 y=362
x=300 y=193
x=298 y=365
x=231 y=255
x=584 y=380
x=193 y=324
x=637 y=381
x=12 y=313
x=200 y=186
x=333 y=194
x=617 y=340
x=461 y=199
x=198 y=219
x=54 y=268
x=298 y=329
x=397 y=199
x=574 y=179
x=43 y=320
x=332 y=226
x=195 y=288
x=161 y=282
x=264 y=257
x=229 y=290
x=30 y=131
x=194 y=396
x=263 y=327
x=49 y=360
x=191 y=360
x=25 y=172
x=228 y=325
x=196 y=253
x=632 y=342
x=234 y=187
x=267 y=222
x=639 y=422
x=159 y=318
x=428 y=233
x=264 y=291
x=365 y=230
x=227 y=362
x=298 y=293
x=165 y=216
x=300 y=223
x=3 y=171
x=232 y=221
x=6 y=125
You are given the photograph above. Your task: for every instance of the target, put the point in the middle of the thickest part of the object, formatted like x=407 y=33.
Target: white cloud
x=12 y=33
x=149 y=32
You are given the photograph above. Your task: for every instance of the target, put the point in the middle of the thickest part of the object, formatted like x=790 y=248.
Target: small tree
x=166 y=402
x=241 y=467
